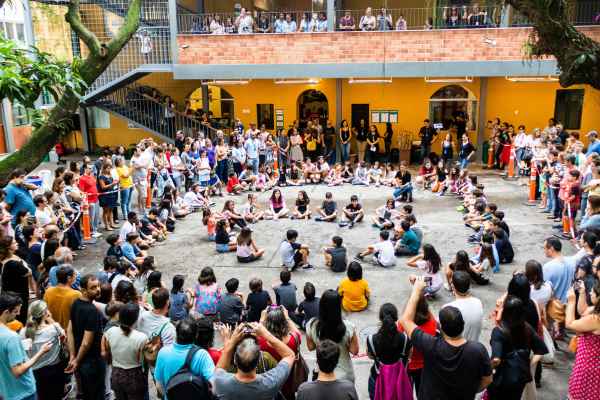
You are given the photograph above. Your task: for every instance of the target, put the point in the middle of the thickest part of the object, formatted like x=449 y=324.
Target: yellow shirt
x=124 y=182
x=354 y=294
x=59 y=300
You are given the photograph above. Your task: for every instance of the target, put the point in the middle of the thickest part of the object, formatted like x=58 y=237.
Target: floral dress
x=207 y=299
x=584 y=383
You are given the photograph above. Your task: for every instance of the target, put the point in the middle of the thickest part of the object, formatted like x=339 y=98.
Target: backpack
x=185 y=385
x=153 y=346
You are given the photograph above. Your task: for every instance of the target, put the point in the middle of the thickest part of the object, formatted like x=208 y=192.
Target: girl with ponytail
x=122 y=347
x=387 y=346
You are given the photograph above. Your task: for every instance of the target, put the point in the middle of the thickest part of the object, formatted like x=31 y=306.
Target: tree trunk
x=101 y=55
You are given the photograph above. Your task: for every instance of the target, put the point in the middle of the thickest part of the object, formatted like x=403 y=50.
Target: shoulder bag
x=299 y=371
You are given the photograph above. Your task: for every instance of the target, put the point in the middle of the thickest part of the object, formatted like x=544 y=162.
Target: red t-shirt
x=231 y=182
x=87 y=184
x=293 y=344
x=215 y=354
x=416 y=361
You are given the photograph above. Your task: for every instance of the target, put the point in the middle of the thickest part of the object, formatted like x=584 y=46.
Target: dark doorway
x=312 y=104
x=359 y=111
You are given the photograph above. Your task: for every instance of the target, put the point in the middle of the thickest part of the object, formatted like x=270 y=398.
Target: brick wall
x=357 y=47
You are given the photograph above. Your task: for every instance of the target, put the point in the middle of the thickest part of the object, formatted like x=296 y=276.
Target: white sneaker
x=96 y=234
x=447 y=286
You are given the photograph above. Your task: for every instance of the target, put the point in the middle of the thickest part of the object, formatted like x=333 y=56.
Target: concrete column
x=205 y=99
x=173 y=30
x=200 y=6
x=338 y=115
x=83 y=126
x=331 y=15
x=9 y=140
x=482 y=106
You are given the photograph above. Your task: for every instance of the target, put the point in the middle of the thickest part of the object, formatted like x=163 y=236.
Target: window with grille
x=568 y=107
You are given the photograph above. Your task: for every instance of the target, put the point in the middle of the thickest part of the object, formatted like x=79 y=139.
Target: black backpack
x=185 y=385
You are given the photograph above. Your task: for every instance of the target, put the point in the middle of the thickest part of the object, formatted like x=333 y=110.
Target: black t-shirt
x=310 y=309
x=353 y=208
x=85 y=317
x=345 y=134
x=221 y=237
x=502 y=344
x=450 y=372
x=329 y=207
x=329 y=136
x=361 y=134
x=405 y=178
x=466 y=149
x=230 y=309
x=426 y=133
x=14 y=277
x=255 y=303
x=302 y=205
x=338 y=258
x=387 y=351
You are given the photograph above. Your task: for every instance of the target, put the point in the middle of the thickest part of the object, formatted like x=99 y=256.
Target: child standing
x=247 y=251
x=335 y=256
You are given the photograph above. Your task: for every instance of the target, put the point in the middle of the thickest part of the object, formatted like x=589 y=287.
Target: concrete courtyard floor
x=187 y=251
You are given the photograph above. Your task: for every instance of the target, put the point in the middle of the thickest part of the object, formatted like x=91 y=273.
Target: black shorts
x=248 y=259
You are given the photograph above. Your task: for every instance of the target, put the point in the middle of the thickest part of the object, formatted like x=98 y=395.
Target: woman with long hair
x=512 y=343
x=372 y=144
x=277 y=321
x=344 y=138
x=122 y=347
x=107 y=188
x=583 y=382
x=277 y=208
x=330 y=325
x=49 y=368
x=387 y=346
x=16 y=275
x=430 y=263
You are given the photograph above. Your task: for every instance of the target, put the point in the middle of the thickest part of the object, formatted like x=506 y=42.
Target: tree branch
x=577 y=55
x=88 y=37
x=130 y=26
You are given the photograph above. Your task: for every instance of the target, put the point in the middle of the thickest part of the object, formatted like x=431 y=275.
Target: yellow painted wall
x=119 y=134
x=532 y=103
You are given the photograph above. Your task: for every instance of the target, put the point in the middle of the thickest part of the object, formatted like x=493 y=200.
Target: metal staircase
x=134 y=104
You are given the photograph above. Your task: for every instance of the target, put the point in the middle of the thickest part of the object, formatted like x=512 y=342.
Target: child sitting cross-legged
x=224 y=244
x=354 y=290
x=328 y=210
x=247 y=251
x=302 y=210
x=335 y=255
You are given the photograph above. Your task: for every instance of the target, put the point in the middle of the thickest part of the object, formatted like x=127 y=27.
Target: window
x=47 y=99
x=568 y=107
x=20 y=115
x=14 y=31
x=98 y=119
x=265 y=115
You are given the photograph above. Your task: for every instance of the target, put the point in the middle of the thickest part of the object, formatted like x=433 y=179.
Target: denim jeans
x=518 y=157
x=253 y=162
x=551 y=200
x=94 y=216
x=126 y=201
x=464 y=163
x=402 y=191
x=584 y=201
x=345 y=150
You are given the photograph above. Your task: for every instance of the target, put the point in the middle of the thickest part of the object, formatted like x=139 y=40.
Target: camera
x=577 y=285
x=247 y=330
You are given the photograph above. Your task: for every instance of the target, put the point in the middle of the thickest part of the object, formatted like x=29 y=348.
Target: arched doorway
x=312 y=104
x=453 y=105
x=220 y=105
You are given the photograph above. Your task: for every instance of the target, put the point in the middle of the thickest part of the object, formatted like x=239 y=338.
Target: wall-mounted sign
x=279 y=119
x=384 y=116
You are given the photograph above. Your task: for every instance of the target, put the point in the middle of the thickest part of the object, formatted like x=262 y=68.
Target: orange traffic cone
x=566 y=223
x=532 y=184
x=276 y=162
x=85 y=219
x=511 y=163
x=148 y=192
x=490 y=160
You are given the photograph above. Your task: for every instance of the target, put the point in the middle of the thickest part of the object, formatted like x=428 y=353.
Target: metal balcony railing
x=135 y=103
x=581 y=13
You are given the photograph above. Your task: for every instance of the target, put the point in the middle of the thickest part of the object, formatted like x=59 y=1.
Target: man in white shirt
x=383 y=251
x=128 y=226
x=470 y=307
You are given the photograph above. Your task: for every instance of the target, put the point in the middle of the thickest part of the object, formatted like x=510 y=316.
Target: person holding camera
x=242 y=347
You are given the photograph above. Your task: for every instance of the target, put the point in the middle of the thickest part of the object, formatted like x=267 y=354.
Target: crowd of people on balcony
x=247 y=22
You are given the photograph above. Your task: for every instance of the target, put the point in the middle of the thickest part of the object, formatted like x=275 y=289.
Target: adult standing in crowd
x=330 y=325
x=452 y=364
x=427 y=133
x=17 y=196
x=17 y=381
x=16 y=275
x=84 y=335
x=360 y=132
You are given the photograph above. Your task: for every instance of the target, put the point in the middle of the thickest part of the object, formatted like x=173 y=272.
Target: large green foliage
x=26 y=72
